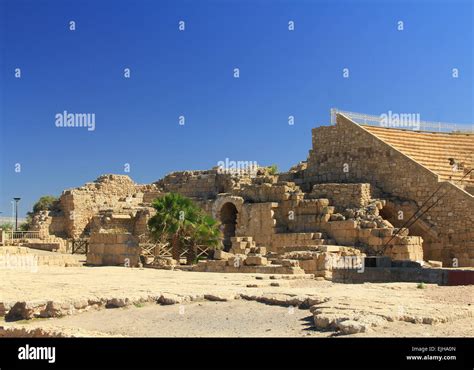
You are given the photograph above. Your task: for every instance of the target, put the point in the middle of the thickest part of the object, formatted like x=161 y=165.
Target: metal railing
x=18 y=235
x=407 y=121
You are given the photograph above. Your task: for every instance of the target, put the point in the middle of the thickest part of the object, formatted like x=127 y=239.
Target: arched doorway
x=228 y=217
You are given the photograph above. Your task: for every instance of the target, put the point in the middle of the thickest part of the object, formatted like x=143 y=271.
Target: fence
x=402 y=120
x=18 y=235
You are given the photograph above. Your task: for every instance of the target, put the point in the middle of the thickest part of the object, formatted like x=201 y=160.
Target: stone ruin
x=342 y=203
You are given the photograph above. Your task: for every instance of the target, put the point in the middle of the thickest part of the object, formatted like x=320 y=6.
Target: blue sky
x=190 y=73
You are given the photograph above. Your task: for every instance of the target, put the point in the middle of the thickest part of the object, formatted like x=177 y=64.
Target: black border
x=210 y=353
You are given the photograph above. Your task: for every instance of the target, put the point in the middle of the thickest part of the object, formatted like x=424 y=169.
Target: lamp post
x=16 y=212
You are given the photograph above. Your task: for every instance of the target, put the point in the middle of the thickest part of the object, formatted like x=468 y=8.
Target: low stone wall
x=398 y=247
x=27 y=258
x=405 y=274
x=322 y=260
x=113 y=249
x=51 y=247
x=245 y=257
x=284 y=240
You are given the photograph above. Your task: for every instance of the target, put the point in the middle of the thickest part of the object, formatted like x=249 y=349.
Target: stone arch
x=227 y=209
x=228 y=218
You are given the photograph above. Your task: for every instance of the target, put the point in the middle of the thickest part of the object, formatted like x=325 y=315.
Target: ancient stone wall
x=292 y=221
x=348 y=153
x=112 y=201
x=268 y=192
x=257 y=220
x=116 y=194
x=110 y=249
x=343 y=196
x=197 y=184
x=300 y=215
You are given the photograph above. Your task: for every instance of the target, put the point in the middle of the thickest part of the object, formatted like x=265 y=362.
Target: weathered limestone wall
x=134 y=221
x=268 y=192
x=107 y=220
x=292 y=221
x=109 y=249
x=343 y=196
x=257 y=220
x=300 y=215
x=49 y=223
x=112 y=201
x=399 y=246
x=81 y=204
x=197 y=184
x=348 y=153
x=80 y=208
x=322 y=261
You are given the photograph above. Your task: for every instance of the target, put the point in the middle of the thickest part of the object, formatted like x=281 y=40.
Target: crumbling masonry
x=353 y=195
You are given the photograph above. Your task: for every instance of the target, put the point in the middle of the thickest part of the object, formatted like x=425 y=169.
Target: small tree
x=45 y=203
x=179 y=221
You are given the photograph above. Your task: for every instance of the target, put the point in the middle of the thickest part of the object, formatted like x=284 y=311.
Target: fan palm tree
x=206 y=232
x=180 y=221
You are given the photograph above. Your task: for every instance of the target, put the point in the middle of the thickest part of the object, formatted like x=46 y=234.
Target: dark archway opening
x=229 y=222
x=400 y=214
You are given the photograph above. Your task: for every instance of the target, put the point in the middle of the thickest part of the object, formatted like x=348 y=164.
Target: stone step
x=436 y=159
x=425 y=143
x=303 y=235
x=300 y=248
x=441 y=136
x=432 y=150
x=441 y=149
x=313 y=248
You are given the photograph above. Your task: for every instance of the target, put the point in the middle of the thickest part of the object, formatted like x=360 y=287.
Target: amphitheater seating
x=433 y=150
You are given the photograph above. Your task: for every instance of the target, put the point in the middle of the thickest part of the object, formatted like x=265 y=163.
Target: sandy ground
x=206 y=319
x=229 y=319
x=402 y=305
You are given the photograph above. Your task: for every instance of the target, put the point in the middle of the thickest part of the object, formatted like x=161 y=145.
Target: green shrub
x=45 y=203
x=273 y=169
x=6 y=226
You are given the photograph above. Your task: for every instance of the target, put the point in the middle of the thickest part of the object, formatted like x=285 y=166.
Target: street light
x=16 y=212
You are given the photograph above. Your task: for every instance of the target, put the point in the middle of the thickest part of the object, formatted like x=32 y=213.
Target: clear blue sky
x=190 y=73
